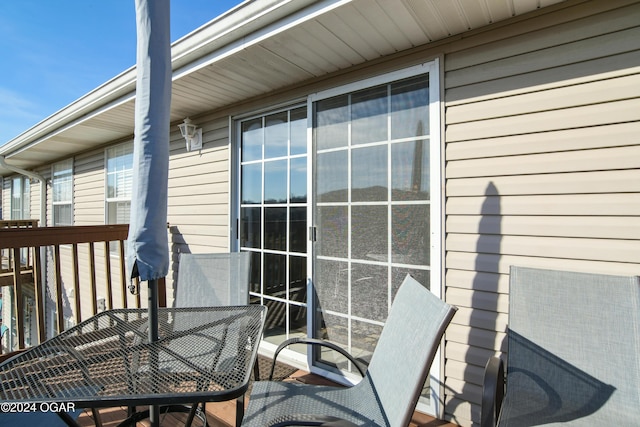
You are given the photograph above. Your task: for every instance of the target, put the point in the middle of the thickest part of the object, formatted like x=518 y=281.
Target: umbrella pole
x=154 y=410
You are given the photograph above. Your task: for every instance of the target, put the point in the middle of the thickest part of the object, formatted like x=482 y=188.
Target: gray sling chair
x=389 y=391
x=209 y=280
x=573 y=352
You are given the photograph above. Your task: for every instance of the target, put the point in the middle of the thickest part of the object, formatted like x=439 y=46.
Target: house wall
x=543 y=168
x=542 y=155
x=198 y=206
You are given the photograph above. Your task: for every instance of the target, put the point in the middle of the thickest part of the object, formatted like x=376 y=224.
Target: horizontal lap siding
x=89 y=209
x=199 y=191
x=89 y=188
x=542 y=168
x=198 y=209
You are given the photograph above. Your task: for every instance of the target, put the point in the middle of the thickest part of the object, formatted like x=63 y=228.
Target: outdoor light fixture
x=191 y=134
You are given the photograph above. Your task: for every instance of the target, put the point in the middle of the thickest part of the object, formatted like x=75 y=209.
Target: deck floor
x=222 y=414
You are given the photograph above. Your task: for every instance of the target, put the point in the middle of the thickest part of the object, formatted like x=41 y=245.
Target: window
x=119 y=182
x=63 y=193
x=20 y=206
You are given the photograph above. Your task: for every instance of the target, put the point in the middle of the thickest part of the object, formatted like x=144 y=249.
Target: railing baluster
x=76 y=282
x=92 y=279
x=16 y=236
x=58 y=279
x=137 y=281
x=107 y=269
x=162 y=292
x=123 y=279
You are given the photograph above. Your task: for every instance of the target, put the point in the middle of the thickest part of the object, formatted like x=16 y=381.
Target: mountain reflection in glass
x=372 y=206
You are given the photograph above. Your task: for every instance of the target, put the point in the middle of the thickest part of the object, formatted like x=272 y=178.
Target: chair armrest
x=319 y=342
x=492 y=392
x=310 y=420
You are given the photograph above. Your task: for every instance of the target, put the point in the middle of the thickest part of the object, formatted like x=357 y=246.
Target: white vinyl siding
x=541 y=120
x=199 y=189
x=543 y=169
x=89 y=188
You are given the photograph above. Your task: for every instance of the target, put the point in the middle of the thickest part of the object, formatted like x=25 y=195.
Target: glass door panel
x=273 y=217
x=372 y=209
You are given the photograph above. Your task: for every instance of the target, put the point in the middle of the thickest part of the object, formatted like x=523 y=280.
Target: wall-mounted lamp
x=191 y=134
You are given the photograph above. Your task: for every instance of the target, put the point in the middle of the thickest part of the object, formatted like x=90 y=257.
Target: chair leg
x=239 y=410
x=256 y=371
x=192 y=414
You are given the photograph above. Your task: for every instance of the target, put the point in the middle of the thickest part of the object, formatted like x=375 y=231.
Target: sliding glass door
x=339 y=200
x=376 y=205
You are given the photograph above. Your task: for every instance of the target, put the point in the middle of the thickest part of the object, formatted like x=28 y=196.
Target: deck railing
x=31 y=256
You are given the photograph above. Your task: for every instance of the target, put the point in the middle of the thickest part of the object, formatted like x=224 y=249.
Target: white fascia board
x=268 y=28
x=117 y=90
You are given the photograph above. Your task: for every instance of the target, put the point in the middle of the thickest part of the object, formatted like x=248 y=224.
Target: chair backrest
x=406 y=348
x=573 y=347
x=209 y=280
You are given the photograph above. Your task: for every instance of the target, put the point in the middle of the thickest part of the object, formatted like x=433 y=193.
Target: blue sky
x=55 y=51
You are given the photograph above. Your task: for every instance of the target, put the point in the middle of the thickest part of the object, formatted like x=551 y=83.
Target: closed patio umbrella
x=148 y=252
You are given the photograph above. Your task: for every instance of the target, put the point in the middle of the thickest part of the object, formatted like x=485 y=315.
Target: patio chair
x=573 y=352
x=389 y=391
x=209 y=280
x=213 y=280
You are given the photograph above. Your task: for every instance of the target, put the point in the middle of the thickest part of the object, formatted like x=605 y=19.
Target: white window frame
x=120 y=150
x=125 y=178
x=62 y=174
x=23 y=211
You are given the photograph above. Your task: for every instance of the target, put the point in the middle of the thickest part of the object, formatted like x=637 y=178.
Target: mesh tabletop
x=203 y=354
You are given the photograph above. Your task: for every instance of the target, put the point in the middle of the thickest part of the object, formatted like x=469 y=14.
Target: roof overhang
x=256 y=48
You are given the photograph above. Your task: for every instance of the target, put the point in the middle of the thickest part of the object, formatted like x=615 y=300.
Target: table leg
x=154 y=415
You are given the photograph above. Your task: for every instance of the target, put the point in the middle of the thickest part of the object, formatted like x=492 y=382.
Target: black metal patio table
x=202 y=355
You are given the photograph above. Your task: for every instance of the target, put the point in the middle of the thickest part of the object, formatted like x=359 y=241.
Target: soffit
x=276 y=47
